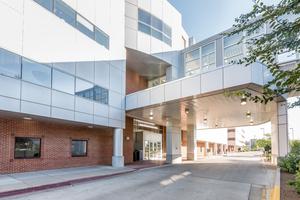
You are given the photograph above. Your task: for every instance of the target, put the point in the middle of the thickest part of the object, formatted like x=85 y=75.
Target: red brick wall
x=134 y=82
x=128 y=145
x=184 y=144
x=55 y=145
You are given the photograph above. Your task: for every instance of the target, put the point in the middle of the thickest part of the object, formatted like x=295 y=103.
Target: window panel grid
x=154 y=26
x=70 y=16
x=49 y=77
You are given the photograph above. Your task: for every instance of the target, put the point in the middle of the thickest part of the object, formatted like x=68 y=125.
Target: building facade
x=76 y=75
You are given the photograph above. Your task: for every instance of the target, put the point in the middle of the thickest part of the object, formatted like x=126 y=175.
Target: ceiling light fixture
x=205 y=120
x=151 y=116
x=248 y=114
x=243 y=100
x=251 y=122
x=27 y=118
x=187 y=111
x=90 y=126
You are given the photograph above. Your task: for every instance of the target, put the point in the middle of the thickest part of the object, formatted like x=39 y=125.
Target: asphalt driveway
x=238 y=176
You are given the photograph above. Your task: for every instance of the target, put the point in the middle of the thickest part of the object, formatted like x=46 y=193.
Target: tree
x=264 y=143
x=284 y=36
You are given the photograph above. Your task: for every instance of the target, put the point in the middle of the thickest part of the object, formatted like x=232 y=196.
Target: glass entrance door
x=153 y=150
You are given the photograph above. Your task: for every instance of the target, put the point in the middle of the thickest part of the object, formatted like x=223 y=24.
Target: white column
x=118 y=158
x=279 y=123
x=173 y=136
x=222 y=149
x=191 y=143
x=206 y=148
x=215 y=149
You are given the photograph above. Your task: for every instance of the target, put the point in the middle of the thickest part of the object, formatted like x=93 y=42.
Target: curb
x=59 y=184
x=275 y=191
x=73 y=182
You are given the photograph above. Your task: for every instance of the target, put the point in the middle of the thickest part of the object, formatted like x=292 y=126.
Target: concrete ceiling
x=220 y=111
x=145 y=65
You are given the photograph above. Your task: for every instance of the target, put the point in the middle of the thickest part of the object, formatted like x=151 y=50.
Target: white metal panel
x=102 y=73
x=100 y=109
x=172 y=90
x=257 y=73
x=115 y=113
x=143 y=42
x=236 y=75
x=131 y=23
x=83 y=117
x=144 y=4
x=84 y=105
x=102 y=121
x=35 y=109
x=35 y=93
x=62 y=114
x=9 y=104
x=11 y=20
x=131 y=101
x=87 y=9
x=131 y=38
x=115 y=79
x=131 y=10
x=115 y=123
x=115 y=99
x=157 y=94
x=190 y=86
x=143 y=98
x=157 y=8
x=63 y=100
x=212 y=81
x=14 y=87
x=85 y=70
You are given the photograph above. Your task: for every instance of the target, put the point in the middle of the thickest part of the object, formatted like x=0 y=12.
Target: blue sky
x=204 y=18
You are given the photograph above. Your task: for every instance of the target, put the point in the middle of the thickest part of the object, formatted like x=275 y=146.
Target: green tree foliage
x=290 y=162
x=284 y=22
x=263 y=143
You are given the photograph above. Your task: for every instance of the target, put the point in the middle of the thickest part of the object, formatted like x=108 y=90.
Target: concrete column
x=191 y=143
x=221 y=149
x=279 y=123
x=118 y=158
x=173 y=143
x=215 y=148
x=206 y=148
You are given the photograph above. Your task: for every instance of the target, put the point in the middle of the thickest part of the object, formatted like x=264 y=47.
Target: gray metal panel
x=219 y=52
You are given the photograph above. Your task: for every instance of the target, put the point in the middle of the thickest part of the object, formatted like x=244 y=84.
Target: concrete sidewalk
x=20 y=183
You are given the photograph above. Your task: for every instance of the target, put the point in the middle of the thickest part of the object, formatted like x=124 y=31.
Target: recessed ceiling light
x=248 y=114
x=90 y=126
x=251 y=122
x=243 y=101
x=151 y=117
x=187 y=111
x=27 y=118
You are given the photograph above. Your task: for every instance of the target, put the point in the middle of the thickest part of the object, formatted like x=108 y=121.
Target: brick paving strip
x=134 y=168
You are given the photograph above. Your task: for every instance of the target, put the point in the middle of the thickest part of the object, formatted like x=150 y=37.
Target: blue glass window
x=144 y=17
x=101 y=38
x=84 y=89
x=101 y=95
x=155 y=27
x=157 y=23
x=10 y=64
x=85 y=26
x=36 y=73
x=63 y=11
x=144 y=28
x=167 y=30
x=157 y=34
x=48 y=4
